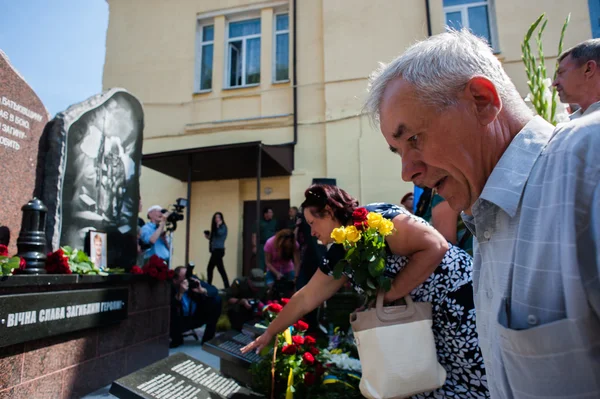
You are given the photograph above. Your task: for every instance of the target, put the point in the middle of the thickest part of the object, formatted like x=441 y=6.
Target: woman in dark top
x=217 y=237
x=422 y=264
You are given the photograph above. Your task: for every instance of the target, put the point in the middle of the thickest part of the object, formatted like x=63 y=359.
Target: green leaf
x=533 y=26
x=377 y=267
x=339 y=269
x=371 y=284
x=67 y=250
x=350 y=252
x=82 y=257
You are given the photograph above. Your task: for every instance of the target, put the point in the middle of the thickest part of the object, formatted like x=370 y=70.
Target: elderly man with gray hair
x=578 y=77
x=531 y=196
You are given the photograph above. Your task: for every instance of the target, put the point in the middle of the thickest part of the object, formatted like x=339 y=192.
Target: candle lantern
x=32 y=237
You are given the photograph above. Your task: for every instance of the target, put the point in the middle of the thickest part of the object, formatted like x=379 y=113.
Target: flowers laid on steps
x=302 y=369
x=364 y=242
x=67 y=260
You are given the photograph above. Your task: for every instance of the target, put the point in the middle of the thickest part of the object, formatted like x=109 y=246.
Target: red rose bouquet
x=297 y=363
x=67 y=260
x=157 y=268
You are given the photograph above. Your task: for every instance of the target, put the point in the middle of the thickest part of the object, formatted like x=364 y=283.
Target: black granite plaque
x=177 y=377
x=25 y=317
x=227 y=346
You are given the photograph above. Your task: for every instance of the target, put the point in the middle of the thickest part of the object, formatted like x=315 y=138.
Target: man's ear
x=591 y=68
x=484 y=96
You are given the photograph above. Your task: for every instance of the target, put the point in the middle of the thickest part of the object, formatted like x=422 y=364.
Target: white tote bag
x=397 y=350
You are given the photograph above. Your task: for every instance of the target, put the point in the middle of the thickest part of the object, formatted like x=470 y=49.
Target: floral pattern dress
x=450 y=291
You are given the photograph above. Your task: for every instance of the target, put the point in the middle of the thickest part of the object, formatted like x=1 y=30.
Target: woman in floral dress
x=422 y=264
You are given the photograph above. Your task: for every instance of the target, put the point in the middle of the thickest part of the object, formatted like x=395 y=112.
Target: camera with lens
x=176 y=214
x=254 y=304
x=192 y=283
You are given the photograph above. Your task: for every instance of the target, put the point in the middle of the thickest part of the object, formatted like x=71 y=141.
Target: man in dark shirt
x=267 y=229
x=192 y=308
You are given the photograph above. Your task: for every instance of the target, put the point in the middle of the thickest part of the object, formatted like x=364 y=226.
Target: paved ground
x=191 y=347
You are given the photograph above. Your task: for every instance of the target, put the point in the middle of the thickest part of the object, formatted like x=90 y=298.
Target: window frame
x=201 y=43
x=244 y=39
x=464 y=14
x=274 y=56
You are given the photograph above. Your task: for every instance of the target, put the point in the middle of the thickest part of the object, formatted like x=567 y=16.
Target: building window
x=243 y=53
x=471 y=14
x=282 y=48
x=206 y=57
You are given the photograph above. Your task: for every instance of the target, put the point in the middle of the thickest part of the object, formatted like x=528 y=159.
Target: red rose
x=57 y=263
x=289 y=349
x=310 y=378
x=136 y=270
x=3 y=250
x=155 y=262
x=170 y=274
x=162 y=275
x=153 y=272
x=308 y=359
x=285 y=301
x=301 y=326
x=360 y=226
x=275 y=307
x=359 y=215
x=22 y=264
x=298 y=340
x=314 y=350
x=310 y=340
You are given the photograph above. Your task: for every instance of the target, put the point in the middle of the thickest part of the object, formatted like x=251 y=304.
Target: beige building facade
x=215 y=73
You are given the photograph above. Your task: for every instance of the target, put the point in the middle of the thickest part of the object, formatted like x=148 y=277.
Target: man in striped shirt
x=531 y=196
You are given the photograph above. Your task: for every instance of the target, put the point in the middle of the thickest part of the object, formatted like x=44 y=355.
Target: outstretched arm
x=319 y=288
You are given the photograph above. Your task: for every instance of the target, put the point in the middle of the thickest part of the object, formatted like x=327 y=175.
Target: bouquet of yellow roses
x=364 y=242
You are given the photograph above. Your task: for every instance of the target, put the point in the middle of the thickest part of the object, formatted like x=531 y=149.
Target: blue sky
x=58 y=46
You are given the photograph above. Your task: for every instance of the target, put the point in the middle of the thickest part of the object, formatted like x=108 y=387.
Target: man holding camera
x=154 y=233
x=245 y=298
x=194 y=303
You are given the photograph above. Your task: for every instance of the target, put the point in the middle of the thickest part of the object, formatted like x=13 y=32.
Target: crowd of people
x=520 y=319
x=503 y=240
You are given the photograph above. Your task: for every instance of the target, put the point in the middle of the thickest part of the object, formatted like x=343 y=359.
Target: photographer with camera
x=154 y=233
x=245 y=298
x=194 y=303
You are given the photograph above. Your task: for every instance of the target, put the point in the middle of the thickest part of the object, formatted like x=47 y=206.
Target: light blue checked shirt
x=536 y=264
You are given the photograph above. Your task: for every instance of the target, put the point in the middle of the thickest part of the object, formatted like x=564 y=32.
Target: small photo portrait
x=98 y=249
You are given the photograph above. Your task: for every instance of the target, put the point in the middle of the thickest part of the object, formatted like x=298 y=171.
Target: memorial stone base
x=74 y=364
